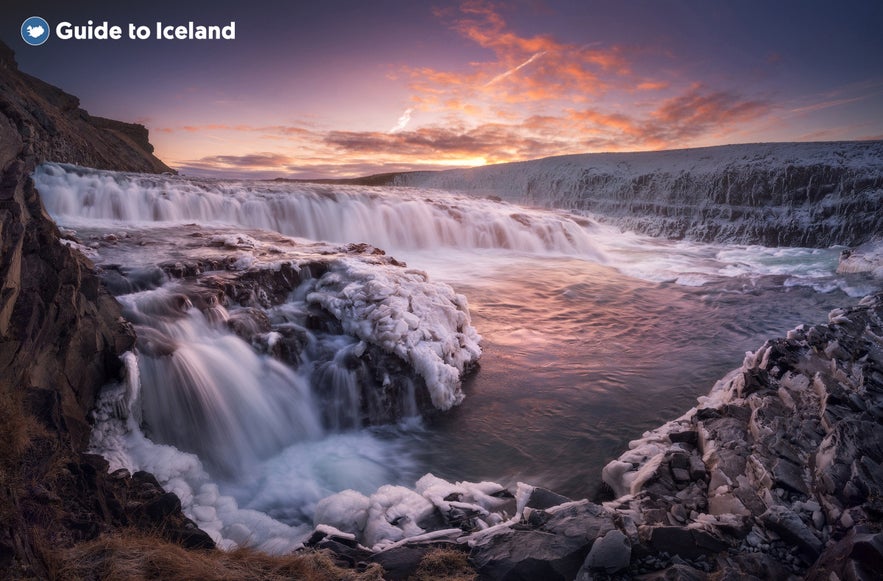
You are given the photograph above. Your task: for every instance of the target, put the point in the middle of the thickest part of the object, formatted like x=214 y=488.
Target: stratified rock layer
x=60 y=337
x=782 y=460
x=775 y=194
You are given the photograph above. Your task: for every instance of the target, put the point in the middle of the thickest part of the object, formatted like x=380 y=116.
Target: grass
x=445 y=565
x=132 y=555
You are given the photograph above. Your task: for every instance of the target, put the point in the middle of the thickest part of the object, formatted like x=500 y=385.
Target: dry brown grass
x=136 y=556
x=445 y=565
x=18 y=429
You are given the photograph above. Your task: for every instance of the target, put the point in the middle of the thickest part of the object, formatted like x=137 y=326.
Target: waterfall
x=406 y=219
x=210 y=392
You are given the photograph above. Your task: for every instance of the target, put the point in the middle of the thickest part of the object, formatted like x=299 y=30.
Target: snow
x=426 y=325
x=392 y=514
x=782 y=194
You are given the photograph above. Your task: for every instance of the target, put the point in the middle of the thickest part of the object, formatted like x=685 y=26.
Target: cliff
x=775 y=194
x=60 y=338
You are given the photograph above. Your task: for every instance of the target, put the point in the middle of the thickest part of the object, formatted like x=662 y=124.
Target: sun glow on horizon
x=519 y=94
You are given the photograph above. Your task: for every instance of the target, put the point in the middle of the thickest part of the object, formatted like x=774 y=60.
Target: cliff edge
x=61 y=335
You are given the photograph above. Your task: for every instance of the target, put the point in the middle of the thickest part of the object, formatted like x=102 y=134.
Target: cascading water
x=257 y=388
x=412 y=220
x=211 y=393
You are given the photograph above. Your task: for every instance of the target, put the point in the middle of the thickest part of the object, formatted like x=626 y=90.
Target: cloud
x=699 y=111
x=674 y=122
x=523 y=69
x=403 y=121
x=265 y=161
x=530 y=97
x=491 y=141
x=826 y=105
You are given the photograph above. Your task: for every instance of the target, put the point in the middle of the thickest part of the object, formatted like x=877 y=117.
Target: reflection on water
x=579 y=359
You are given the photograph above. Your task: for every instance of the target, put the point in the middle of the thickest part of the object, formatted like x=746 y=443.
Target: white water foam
x=417 y=222
x=286 y=474
x=385 y=218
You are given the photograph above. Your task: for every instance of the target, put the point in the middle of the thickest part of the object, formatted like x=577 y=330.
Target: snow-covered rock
x=775 y=194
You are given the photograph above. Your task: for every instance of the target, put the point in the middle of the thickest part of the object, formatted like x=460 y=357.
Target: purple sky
x=338 y=88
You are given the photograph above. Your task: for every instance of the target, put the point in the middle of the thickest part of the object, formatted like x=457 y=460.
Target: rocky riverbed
x=776 y=473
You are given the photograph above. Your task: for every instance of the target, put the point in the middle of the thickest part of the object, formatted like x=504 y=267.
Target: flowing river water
x=590 y=336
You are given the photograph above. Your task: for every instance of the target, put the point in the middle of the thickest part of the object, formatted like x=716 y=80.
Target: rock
x=543 y=498
x=857 y=556
x=678 y=572
x=554 y=549
x=792 y=529
x=61 y=333
x=689 y=543
x=789 y=476
x=751 y=566
x=610 y=553
x=402 y=562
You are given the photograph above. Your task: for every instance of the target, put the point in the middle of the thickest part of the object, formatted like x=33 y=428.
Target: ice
x=346 y=511
x=393 y=514
x=121 y=442
x=426 y=325
x=783 y=194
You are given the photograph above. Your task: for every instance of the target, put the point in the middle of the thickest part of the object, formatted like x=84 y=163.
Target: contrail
x=516 y=69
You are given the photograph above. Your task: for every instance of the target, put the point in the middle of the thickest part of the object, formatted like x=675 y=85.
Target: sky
x=349 y=88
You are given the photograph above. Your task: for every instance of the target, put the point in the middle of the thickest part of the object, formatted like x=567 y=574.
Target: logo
x=35 y=31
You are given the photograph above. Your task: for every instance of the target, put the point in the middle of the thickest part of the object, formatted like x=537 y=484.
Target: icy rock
x=554 y=549
x=425 y=324
x=773 y=194
x=865 y=258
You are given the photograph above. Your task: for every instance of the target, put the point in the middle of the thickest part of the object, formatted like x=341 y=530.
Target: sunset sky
x=346 y=88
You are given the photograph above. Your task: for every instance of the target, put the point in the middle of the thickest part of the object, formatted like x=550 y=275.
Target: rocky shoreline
x=777 y=473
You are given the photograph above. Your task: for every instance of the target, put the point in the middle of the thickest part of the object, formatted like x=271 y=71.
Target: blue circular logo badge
x=35 y=31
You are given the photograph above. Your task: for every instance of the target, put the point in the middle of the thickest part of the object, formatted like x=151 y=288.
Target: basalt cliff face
x=60 y=338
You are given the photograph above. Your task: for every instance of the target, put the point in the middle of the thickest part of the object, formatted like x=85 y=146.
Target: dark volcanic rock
x=61 y=335
x=794 y=458
x=609 y=554
x=553 y=547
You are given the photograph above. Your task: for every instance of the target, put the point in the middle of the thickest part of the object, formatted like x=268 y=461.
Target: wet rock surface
x=61 y=334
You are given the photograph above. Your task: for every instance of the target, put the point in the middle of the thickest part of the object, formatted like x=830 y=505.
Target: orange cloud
x=534 y=96
x=523 y=70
